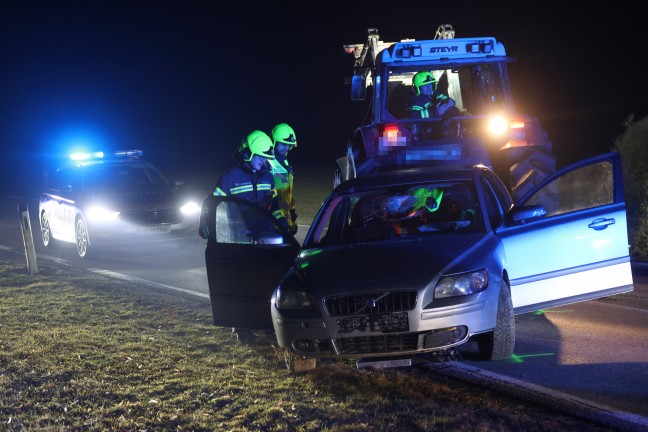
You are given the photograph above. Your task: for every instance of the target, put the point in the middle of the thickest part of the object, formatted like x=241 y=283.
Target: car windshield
x=398 y=212
x=122 y=176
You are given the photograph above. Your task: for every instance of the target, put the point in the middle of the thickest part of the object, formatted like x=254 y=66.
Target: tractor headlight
x=461 y=284
x=498 y=125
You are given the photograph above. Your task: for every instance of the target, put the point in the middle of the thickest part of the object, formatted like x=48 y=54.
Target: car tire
x=46 y=232
x=82 y=238
x=499 y=343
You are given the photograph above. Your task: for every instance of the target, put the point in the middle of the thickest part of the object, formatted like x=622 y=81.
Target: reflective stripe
x=241 y=189
x=423 y=110
x=281 y=175
x=249 y=188
x=264 y=186
x=245 y=188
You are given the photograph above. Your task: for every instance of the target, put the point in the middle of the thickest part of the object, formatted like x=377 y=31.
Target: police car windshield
x=122 y=176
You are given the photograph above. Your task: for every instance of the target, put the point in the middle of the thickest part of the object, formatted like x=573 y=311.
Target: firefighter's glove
x=293 y=215
x=203 y=230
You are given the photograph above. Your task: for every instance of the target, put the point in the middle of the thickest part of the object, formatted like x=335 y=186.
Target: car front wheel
x=46 y=231
x=500 y=343
x=82 y=239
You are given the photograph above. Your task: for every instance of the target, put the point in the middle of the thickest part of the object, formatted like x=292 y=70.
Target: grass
x=87 y=352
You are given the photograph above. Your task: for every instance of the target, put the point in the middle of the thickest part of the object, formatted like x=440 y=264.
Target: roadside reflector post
x=28 y=240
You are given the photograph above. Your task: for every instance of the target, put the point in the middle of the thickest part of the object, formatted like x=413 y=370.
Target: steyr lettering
x=445 y=49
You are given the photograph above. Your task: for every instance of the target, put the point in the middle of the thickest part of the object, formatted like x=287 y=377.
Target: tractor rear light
x=516 y=124
x=391 y=136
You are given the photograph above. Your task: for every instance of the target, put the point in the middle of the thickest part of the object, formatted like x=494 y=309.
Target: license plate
x=385 y=323
x=155 y=229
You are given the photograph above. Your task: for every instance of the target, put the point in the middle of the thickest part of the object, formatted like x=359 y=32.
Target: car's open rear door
x=247 y=254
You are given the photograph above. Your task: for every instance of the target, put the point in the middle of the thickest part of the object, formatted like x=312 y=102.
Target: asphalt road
x=593 y=352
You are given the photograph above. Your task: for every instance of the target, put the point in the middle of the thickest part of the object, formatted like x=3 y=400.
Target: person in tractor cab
x=427 y=102
x=284 y=140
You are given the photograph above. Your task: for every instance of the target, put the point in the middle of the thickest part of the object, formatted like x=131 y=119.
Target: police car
x=98 y=199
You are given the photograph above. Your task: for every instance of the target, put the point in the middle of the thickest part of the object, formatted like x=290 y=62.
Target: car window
x=497 y=199
x=395 y=212
x=122 y=176
x=61 y=178
x=576 y=191
x=492 y=208
x=244 y=223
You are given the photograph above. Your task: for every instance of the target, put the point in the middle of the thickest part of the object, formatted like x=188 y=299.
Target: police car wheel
x=46 y=232
x=82 y=239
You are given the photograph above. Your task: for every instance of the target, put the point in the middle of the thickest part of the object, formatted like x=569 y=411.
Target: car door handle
x=599 y=224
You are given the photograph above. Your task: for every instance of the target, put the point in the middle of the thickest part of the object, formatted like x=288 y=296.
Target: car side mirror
x=525 y=214
x=358 y=87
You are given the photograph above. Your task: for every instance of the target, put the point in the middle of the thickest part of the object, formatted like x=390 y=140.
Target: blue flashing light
x=86 y=156
x=130 y=153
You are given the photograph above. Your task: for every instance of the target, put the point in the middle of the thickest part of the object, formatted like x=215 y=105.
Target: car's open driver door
x=247 y=254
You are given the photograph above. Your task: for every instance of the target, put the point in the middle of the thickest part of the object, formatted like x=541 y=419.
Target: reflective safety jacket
x=284 y=176
x=255 y=186
x=423 y=106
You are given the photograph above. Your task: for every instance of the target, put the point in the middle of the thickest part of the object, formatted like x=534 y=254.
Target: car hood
x=139 y=199
x=403 y=262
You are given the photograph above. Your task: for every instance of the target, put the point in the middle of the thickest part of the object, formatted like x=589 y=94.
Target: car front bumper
x=416 y=331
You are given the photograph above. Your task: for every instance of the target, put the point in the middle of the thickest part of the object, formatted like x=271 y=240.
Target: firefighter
x=427 y=102
x=284 y=140
x=251 y=179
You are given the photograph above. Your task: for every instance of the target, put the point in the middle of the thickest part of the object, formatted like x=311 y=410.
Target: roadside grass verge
x=87 y=352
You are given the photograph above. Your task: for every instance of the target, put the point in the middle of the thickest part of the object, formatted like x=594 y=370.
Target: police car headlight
x=291 y=299
x=101 y=214
x=461 y=284
x=190 y=208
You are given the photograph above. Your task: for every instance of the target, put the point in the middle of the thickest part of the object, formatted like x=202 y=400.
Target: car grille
x=384 y=344
x=170 y=216
x=377 y=344
x=363 y=304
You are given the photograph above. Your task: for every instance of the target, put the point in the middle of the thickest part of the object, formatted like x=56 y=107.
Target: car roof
x=106 y=162
x=406 y=176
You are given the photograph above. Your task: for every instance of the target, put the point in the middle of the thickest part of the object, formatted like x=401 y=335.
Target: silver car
x=420 y=260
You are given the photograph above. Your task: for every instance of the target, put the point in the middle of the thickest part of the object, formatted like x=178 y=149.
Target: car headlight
x=101 y=214
x=190 y=208
x=461 y=284
x=291 y=299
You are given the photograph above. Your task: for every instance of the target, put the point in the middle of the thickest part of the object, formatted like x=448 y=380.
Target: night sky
x=186 y=80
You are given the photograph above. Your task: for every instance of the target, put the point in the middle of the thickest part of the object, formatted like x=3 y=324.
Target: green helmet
x=430 y=199
x=258 y=143
x=423 y=78
x=284 y=134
